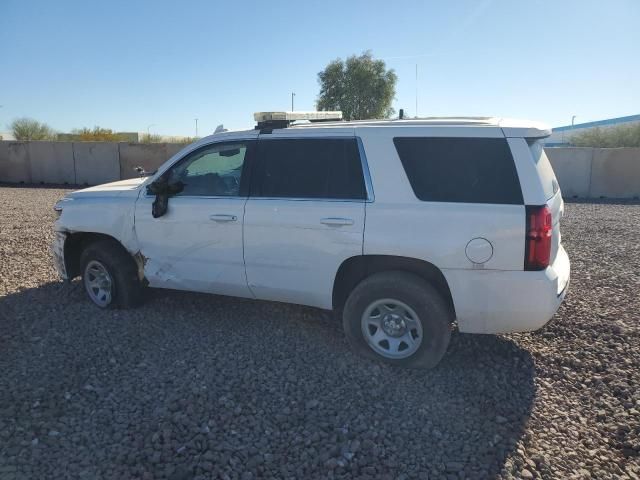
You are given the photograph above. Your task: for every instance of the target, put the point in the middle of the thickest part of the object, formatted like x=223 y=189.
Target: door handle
x=336 y=222
x=223 y=218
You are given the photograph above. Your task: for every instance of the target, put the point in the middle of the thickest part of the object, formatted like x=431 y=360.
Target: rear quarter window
x=464 y=170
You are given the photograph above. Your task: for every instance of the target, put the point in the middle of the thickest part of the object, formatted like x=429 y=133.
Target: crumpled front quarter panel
x=106 y=214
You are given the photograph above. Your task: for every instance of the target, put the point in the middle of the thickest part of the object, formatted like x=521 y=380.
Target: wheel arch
x=355 y=269
x=76 y=242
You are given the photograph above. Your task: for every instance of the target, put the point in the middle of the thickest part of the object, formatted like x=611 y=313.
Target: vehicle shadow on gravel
x=191 y=384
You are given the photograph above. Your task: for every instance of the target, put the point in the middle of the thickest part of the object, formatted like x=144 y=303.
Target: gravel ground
x=197 y=386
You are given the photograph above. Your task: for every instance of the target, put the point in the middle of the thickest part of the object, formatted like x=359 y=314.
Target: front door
x=197 y=244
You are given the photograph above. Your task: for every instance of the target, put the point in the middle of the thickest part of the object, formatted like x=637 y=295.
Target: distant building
x=561 y=136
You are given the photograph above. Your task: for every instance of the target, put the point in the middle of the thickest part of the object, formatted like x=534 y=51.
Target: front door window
x=213 y=171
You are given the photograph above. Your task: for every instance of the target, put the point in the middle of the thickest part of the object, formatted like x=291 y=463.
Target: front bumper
x=490 y=301
x=57 y=252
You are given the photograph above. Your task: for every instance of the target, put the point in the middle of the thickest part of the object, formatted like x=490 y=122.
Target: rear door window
x=308 y=168
x=465 y=170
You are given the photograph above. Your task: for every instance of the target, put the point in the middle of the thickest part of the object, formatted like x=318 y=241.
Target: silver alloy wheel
x=391 y=328
x=98 y=283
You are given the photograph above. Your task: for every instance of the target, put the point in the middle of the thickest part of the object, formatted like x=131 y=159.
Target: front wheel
x=399 y=318
x=109 y=275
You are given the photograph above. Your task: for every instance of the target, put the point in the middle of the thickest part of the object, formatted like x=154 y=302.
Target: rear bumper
x=57 y=252
x=490 y=301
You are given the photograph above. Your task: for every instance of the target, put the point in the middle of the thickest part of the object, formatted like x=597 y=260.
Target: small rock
x=331 y=464
x=453 y=467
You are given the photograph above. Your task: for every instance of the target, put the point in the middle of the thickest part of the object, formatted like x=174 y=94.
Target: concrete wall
x=615 y=173
x=573 y=169
x=79 y=163
x=147 y=155
x=96 y=162
x=581 y=172
x=52 y=162
x=14 y=162
x=597 y=172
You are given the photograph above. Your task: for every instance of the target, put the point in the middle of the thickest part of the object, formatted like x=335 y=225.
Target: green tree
x=612 y=137
x=28 y=129
x=361 y=87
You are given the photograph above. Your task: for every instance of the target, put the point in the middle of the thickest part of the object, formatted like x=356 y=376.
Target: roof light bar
x=262 y=117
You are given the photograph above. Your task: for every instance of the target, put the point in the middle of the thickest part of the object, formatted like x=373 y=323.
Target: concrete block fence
x=581 y=172
x=597 y=172
x=79 y=163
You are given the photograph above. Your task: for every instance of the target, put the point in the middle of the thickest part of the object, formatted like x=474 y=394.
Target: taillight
x=537 y=251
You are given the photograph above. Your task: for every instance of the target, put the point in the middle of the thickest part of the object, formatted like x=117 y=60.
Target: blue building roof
x=599 y=123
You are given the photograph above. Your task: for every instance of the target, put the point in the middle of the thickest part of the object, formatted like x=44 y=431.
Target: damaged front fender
x=141 y=262
x=57 y=251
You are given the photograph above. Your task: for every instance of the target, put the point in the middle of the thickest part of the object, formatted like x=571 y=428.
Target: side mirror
x=229 y=153
x=152 y=188
x=161 y=186
x=175 y=188
x=162 y=189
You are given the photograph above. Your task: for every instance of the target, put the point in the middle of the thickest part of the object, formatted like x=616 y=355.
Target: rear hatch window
x=543 y=166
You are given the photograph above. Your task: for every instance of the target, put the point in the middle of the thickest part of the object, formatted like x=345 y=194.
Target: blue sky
x=128 y=64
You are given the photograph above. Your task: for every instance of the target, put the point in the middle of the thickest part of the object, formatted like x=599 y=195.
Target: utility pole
x=196 y=127
x=293 y=94
x=148 y=127
x=573 y=119
x=416 y=90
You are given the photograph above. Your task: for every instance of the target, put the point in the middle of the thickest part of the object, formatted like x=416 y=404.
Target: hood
x=110 y=189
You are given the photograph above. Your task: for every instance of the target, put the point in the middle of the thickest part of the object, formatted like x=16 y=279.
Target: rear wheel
x=109 y=275
x=399 y=318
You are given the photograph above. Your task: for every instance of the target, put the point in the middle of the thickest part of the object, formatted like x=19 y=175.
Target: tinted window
x=471 y=170
x=213 y=171
x=309 y=168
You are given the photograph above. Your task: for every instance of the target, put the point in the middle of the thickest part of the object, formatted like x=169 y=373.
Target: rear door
x=304 y=217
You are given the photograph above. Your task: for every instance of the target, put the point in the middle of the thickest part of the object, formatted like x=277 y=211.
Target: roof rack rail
x=267 y=121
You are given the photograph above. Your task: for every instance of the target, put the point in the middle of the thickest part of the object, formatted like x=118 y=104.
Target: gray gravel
x=196 y=386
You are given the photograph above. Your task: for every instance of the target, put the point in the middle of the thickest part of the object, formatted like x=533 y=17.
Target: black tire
x=433 y=314
x=126 y=288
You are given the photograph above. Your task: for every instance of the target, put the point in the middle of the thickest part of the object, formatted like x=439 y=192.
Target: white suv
x=401 y=226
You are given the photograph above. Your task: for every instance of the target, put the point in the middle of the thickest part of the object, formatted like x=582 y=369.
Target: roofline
x=430 y=121
x=510 y=127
